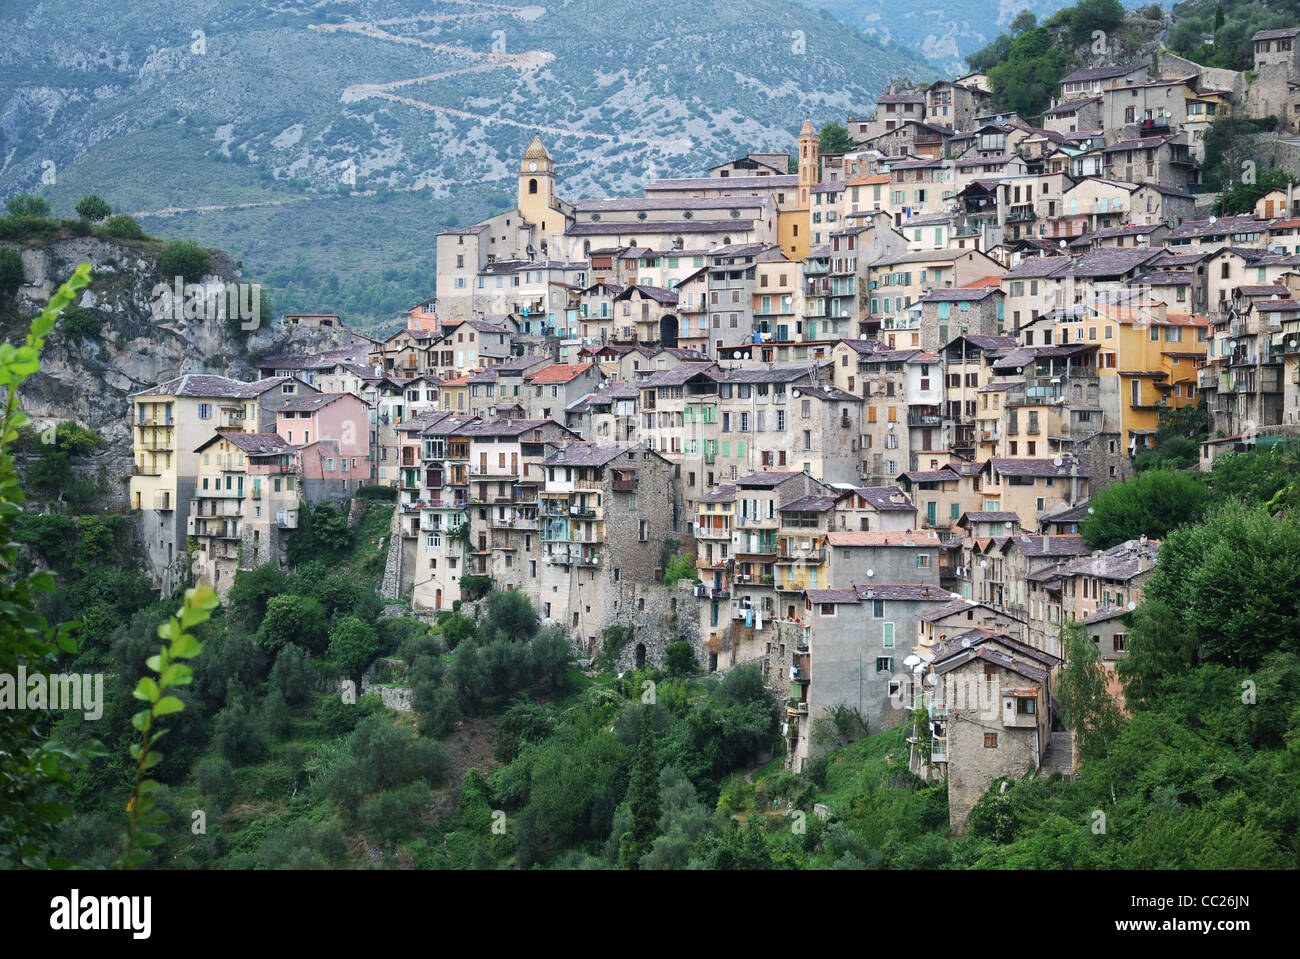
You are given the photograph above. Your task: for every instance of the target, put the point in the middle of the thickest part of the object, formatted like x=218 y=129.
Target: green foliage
x=171 y=671
x=292 y=674
x=474 y=587
x=294 y=619
x=455 y=628
x=323 y=534
x=1242 y=197
x=679 y=568
x=93 y=207
x=81 y=323
x=380 y=493
x=834 y=138
x=510 y=613
x=123 y=227
x=185 y=259
x=679 y=659
x=1230 y=26
x=252 y=591
x=1228 y=146
x=353 y=645
x=216 y=779
x=11 y=271
x=1081 y=695
x=238 y=734
x=1026 y=77
x=28 y=204
x=642 y=799
x=1152 y=503
x=35 y=768
x=1089 y=15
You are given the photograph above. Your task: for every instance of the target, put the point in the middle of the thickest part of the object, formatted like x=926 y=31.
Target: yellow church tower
x=794 y=223
x=537 y=188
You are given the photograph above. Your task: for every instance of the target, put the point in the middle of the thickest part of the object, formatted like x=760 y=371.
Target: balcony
x=138 y=470
x=712 y=532
x=287 y=519
x=162 y=500
x=790 y=555
x=924 y=419
x=623 y=485
x=758 y=548
x=939 y=750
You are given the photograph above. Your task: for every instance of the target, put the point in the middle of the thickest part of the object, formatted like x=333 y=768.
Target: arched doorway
x=438 y=600
x=640 y=655
x=668 y=330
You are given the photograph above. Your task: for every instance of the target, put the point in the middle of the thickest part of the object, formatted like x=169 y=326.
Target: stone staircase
x=1059 y=756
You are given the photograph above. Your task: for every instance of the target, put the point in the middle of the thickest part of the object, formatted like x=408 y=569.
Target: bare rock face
x=91 y=379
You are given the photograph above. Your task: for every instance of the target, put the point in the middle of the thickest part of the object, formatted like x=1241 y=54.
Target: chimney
x=1047 y=542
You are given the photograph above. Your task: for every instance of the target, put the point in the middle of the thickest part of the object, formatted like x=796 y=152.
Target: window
x=884 y=664
x=990 y=740
x=205 y=411
x=889 y=635
x=878 y=608
x=1025 y=706
x=922 y=560
x=1118 y=642
x=827 y=609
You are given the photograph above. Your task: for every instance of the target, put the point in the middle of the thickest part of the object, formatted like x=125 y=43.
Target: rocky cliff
x=90 y=379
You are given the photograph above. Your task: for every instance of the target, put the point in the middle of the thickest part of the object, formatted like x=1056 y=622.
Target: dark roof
x=311 y=403
x=204 y=385
x=886 y=498
x=252 y=443
x=1101 y=73
x=1054 y=545
x=651 y=227
x=588 y=454
x=811 y=504
x=1036 y=467
x=767 y=478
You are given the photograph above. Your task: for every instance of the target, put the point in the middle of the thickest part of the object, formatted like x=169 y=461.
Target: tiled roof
x=922 y=538
x=1055 y=545
x=557 y=373
x=1101 y=73
x=722 y=494
x=886 y=498
x=588 y=454
x=1037 y=467
x=766 y=479
x=811 y=504
x=315 y=402
x=204 y=386
x=253 y=443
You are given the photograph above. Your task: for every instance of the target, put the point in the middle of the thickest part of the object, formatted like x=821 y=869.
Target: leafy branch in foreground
x=171 y=672
x=34 y=772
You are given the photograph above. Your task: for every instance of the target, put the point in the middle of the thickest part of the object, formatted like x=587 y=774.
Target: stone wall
x=660 y=616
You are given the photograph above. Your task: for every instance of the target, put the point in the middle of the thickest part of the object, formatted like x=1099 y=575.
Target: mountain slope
x=944 y=32
x=327 y=143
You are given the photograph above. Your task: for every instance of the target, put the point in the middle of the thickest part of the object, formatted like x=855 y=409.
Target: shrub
x=475 y=587
x=28 y=204
x=681 y=567
x=293 y=619
x=93 y=207
x=353 y=645
x=511 y=614
x=123 y=227
x=388 y=493
x=292 y=674
x=216 y=779
x=679 y=658
x=238 y=735
x=11 y=271
x=81 y=323
x=185 y=259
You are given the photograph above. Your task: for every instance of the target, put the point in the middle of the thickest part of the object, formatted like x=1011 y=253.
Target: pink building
x=331 y=432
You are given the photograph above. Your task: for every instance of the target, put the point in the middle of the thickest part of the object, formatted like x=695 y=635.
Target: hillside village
x=871 y=399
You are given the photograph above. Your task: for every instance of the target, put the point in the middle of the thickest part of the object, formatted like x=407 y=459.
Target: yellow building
x=1147 y=358
x=168 y=424
x=794 y=219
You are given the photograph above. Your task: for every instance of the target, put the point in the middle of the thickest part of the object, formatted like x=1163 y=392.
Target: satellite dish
x=912 y=660
x=1214 y=219
x=1132 y=605
x=918 y=669
x=965 y=643
x=1057 y=461
x=956 y=595
x=927 y=657
x=797 y=393
x=870 y=573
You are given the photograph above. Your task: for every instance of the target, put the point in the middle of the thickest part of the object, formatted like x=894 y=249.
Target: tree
x=292 y=674
x=120 y=226
x=1087 y=16
x=551 y=655
x=834 y=138
x=28 y=204
x=1081 y=694
x=253 y=589
x=679 y=568
x=679 y=658
x=293 y=619
x=93 y=207
x=237 y=735
x=1025 y=79
x=1152 y=503
x=642 y=798
x=11 y=271
x=354 y=645
x=511 y=613
x=81 y=323
x=186 y=259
